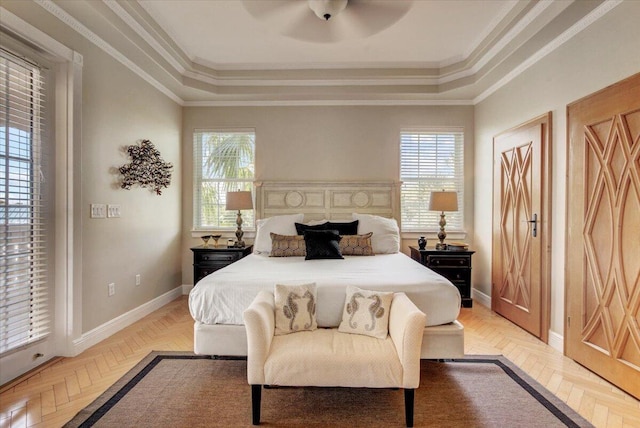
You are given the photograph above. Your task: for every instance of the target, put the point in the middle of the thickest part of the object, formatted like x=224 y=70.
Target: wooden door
x=602 y=276
x=521 y=225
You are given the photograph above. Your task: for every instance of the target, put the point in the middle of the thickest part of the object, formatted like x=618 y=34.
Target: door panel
x=520 y=281
x=603 y=234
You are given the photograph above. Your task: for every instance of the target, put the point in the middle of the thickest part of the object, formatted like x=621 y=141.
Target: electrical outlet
x=112 y=289
x=138 y=279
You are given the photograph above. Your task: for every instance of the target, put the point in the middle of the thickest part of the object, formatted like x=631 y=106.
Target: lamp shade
x=240 y=200
x=444 y=201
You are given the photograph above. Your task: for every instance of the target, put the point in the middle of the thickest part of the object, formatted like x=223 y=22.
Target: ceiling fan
x=327 y=21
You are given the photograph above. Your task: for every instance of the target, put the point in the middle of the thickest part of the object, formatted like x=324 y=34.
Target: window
x=24 y=315
x=223 y=162
x=430 y=161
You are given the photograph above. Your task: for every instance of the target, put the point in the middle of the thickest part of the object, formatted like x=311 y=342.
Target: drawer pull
x=218 y=257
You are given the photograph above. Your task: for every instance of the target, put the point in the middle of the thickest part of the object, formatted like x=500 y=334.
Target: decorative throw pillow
x=322 y=244
x=349 y=228
x=287 y=246
x=366 y=312
x=356 y=245
x=386 y=234
x=282 y=225
x=295 y=308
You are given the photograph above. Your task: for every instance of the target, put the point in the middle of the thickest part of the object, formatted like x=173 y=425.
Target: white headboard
x=330 y=200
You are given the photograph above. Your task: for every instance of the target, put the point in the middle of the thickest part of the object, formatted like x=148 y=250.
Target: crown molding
x=198 y=84
x=326 y=103
x=585 y=22
x=136 y=26
x=36 y=37
x=63 y=16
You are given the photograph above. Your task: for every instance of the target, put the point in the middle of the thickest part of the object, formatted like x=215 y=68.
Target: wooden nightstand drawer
x=453 y=265
x=207 y=260
x=453 y=275
x=449 y=261
x=221 y=256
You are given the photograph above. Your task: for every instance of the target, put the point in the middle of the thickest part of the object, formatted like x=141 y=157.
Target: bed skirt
x=438 y=342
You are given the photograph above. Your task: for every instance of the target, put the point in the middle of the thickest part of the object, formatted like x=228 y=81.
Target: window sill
x=226 y=233
x=433 y=236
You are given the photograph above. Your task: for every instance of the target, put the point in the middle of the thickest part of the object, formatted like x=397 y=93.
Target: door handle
x=534 y=225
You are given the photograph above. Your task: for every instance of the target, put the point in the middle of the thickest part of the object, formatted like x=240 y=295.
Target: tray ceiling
x=276 y=52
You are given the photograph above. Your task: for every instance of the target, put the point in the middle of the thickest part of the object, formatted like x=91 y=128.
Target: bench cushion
x=331 y=358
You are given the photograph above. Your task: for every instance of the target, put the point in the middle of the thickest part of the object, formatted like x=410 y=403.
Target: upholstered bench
x=326 y=357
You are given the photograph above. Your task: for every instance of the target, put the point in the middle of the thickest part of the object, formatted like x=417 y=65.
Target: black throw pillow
x=350 y=228
x=322 y=244
x=301 y=228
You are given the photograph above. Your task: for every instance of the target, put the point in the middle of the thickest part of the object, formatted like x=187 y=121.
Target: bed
x=218 y=300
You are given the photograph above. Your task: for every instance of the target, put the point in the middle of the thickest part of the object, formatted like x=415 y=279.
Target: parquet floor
x=53 y=395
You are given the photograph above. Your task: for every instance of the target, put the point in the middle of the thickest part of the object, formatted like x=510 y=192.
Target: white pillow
x=386 y=234
x=295 y=308
x=316 y=222
x=366 y=312
x=281 y=224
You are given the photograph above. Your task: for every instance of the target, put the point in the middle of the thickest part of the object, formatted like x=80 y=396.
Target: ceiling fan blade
x=312 y=29
x=368 y=17
x=294 y=18
x=268 y=10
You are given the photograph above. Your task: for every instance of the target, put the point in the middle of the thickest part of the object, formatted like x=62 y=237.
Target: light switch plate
x=98 y=210
x=113 y=211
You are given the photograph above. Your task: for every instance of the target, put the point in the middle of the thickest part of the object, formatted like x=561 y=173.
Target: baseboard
x=480 y=297
x=556 y=341
x=109 y=328
x=186 y=288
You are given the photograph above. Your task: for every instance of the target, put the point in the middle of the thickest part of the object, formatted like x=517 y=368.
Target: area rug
x=169 y=389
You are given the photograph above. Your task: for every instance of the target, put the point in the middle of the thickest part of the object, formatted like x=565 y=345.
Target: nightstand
x=453 y=265
x=209 y=259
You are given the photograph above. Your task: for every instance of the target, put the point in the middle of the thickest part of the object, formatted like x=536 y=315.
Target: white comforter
x=221 y=297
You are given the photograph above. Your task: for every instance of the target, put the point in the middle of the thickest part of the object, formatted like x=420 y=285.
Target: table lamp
x=240 y=200
x=443 y=201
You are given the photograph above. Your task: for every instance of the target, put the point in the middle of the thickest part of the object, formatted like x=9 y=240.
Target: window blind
x=24 y=313
x=430 y=161
x=224 y=161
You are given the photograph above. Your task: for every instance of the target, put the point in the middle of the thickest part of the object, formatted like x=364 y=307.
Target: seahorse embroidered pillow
x=295 y=308
x=366 y=312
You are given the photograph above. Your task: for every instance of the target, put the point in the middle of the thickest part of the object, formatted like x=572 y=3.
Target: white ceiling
x=224 y=34
x=375 y=52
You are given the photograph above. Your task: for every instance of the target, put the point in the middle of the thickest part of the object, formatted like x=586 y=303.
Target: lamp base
x=239 y=242
x=442 y=234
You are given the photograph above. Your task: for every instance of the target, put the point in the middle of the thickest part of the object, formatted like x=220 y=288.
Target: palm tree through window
x=224 y=161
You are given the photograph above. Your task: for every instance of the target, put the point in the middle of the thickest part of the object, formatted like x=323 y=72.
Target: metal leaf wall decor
x=147 y=168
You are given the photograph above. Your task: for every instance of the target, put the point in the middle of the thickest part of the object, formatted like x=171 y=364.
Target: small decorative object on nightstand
x=422 y=243
x=453 y=265
x=209 y=259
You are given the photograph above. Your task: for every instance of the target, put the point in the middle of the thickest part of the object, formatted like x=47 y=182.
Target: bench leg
x=256 y=396
x=409 y=395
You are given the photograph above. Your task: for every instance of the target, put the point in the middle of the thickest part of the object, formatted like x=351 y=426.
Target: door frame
x=544 y=225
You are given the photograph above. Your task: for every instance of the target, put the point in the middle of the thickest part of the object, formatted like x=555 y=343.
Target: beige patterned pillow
x=295 y=308
x=356 y=245
x=287 y=246
x=366 y=312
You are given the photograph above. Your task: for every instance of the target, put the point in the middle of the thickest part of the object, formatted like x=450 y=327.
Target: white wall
x=321 y=143
x=602 y=54
x=118 y=108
